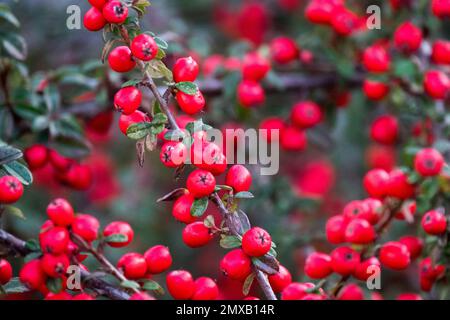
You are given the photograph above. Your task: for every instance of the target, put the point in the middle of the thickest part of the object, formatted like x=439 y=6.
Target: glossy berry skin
x=351 y=292
x=60 y=296
x=414 y=245
x=144 y=47
x=409 y=296
x=133 y=265
x=55 y=266
x=83 y=297
x=284 y=50
x=407 y=37
x=306 y=114
x=375 y=90
x=54 y=240
x=36 y=156
x=119 y=227
x=255 y=67
x=78 y=176
x=280 y=280
x=296 y=291
x=271 y=125
x=59 y=162
x=126 y=120
x=434 y=222
x=127 y=100
x=335 y=229
x=428 y=162
x=93 y=19
x=344 y=260
x=293 y=139
x=256 y=242
x=60 y=212
x=32 y=275
x=384 y=130
x=394 y=255
x=239 y=178
x=441 y=52
x=355 y=209
x=141 y=296
x=205 y=289
x=181 y=210
x=359 y=231
x=121 y=60
x=399 y=186
x=173 y=154
x=374 y=211
x=158 y=259
x=185 y=69
x=376 y=59
x=99 y=4
x=440 y=8
x=180 y=284
x=366 y=268
x=115 y=12
x=236 y=265
x=375 y=182
x=200 y=183
x=86 y=226
x=190 y=104
x=436 y=84
x=196 y=234
x=5 y=272
x=11 y=189
x=250 y=94
x=318 y=265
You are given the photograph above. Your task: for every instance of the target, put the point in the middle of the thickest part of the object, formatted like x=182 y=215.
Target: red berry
x=201 y=183
x=59 y=162
x=60 y=212
x=318 y=265
x=430 y=270
x=218 y=166
x=335 y=229
x=293 y=139
x=98 y=3
x=441 y=8
x=11 y=189
x=115 y=12
x=271 y=125
x=191 y=104
x=36 y=156
x=239 y=178
x=83 y=297
x=394 y=255
x=185 y=69
x=345 y=21
x=375 y=182
x=436 y=84
x=236 y=265
x=93 y=19
x=428 y=162
x=173 y=154
x=284 y=50
x=158 y=259
x=441 y=52
x=255 y=67
x=250 y=93
x=197 y=234
x=376 y=59
x=54 y=240
x=366 y=268
x=280 y=280
x=385 y=129
x=60 y=296
x=414 y=245
x=133 y=265
x=144 y=47
x=374 y=212
x=205 y=289
x=375 y=90
x=5 y=272
x=86 y=226
x=119 y=227
x=408 y=296
x=55 y=265
x=296 y=291
x=306 y=114
x=407 y=37
x=321 y=12
x=256 y=242
x=344 y=260
x=120 y=59
x=356 y=209
x=141 y=296
x=126 y=120
x=78 y=176
x=32 y=275
x=434 y=222
x=127 y=100
x=399 y=186
x=351 y=292
x=180 y=284
x=360 y=231
x=182 y=209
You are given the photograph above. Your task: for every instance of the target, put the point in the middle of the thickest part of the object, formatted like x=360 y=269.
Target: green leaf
x=117 y=238
x=32 y=245
x=430 y=188
x=230 y=242
x=161 y=54
x=209 y=222
x=151 y=285
x=187 y=87
x=15 y=286
x=174 y=135
x=15 y=212
x=8 y=154
x=157 y=69
x=55 y=285
x=197 y=125
x=139 y=130
x=19 y=171
x=131 y=83
x=199 y=207
x=130 y=284
x=13 y=50
x=244 y=195
x=223 y=187
x=159 y=118
x=72 y=147
x=161 y=43
x=5 y=14
x=248 y=284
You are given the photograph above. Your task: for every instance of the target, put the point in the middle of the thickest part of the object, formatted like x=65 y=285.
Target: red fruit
x=239 y=178
x=409 y=296
x=321 y=11
x=185 y=69
x=32 y=275
x=60 y=296
x=318 y=265
x=384 y=129
x=127 y=100
x=376 y=59
x=293 y=139
x=414 y=245
x=205 y=289
x=173 y=154
x=375 y=211
x=83 y=297
x=126 y=120
x=158 y=259
x=60 y=212
x=428 y=162
x=436 y=84
x=335 y=229
x=250 y=93
x=98 y=3
x=399 y=186
x=11 y=189
x=55 y=266
x=366 y=268
x=251 y=298
x=441 y=8
x=355 y=209
x=434 y=222
x=54 y=240
x=407 y=37
x=93 y=20
x=182 y=209
x=441 y=52
x=141 y=296
x=344 y=260
x=5 y=272
x=180 y=284
x=431 y=271
x=306 y=114
x=345 y=22
x=236 y=265
x=36 y=156
x=59 y=162
x=271 y=125
x=144 y=47
x=280 y=280
x=86 y=226
x=375 y=90
x=284 y=50
x=256 y=242
x=255 y=67
x=115 y=12
x=351 y=292
x=203 y=153
x=296 y=290
x=375 y=182
x=197 y=234
x=360 y=231
x=381 y=156
x=201 y=183
x=394 y=255
x=120 y=59
x=219 y=165
x=119 y=227
x=191 y=104
x=78 y=177
x=133 y=265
